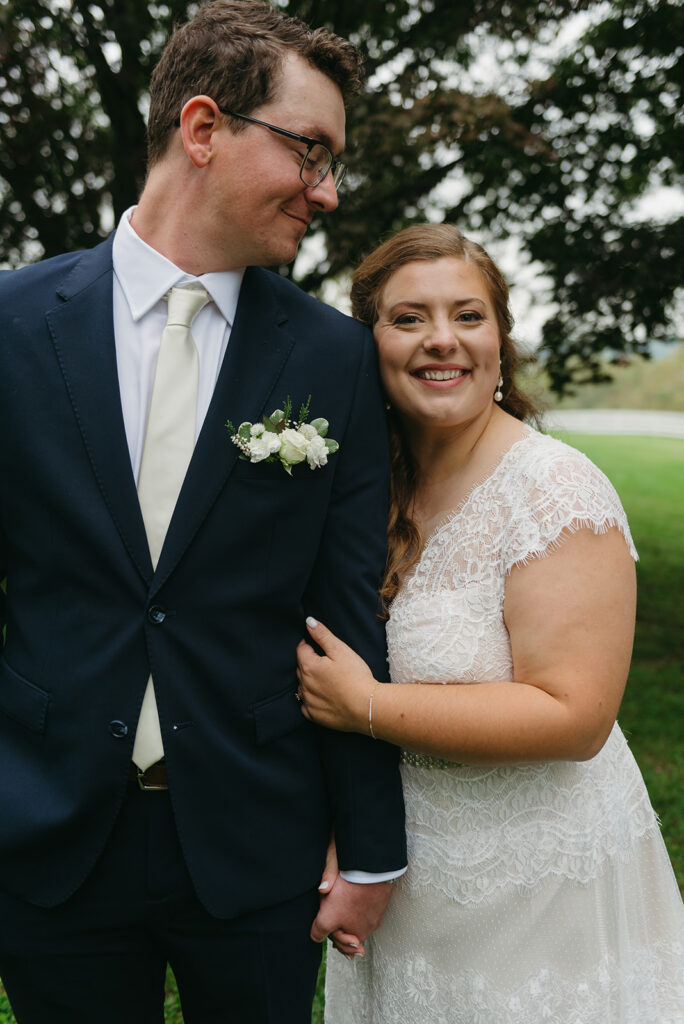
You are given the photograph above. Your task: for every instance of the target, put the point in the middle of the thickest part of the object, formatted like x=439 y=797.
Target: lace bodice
x=541 y=490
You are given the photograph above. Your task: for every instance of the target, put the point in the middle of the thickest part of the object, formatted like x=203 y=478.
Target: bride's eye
x=406 y=318
x=469 y=316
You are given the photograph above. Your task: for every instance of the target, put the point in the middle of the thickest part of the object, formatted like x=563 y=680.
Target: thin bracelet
x=370 y=711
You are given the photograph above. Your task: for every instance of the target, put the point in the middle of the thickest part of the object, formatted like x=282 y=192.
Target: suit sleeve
x=3 y=585
x=363 y=774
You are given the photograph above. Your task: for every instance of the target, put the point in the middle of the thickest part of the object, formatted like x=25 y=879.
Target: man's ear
x=200 y=118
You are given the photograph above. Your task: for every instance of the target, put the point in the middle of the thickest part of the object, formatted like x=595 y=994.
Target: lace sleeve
x=557 y=490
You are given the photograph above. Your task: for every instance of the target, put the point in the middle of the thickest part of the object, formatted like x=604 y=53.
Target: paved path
x=644 y=422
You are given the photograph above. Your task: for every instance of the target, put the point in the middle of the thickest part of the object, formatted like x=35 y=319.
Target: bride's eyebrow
x=405 y=304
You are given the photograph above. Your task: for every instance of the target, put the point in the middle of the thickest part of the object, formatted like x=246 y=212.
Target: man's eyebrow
x=319 y=136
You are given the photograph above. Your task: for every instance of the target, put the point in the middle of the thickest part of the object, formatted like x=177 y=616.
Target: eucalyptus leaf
x=275 y=422
x=320 y=425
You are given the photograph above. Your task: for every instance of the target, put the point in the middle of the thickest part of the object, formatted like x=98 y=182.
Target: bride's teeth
x=440 y=374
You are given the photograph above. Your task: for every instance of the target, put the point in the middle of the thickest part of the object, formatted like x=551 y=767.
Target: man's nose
x=324 y=195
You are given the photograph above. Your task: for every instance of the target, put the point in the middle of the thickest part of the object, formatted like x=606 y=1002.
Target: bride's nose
x=442 y=336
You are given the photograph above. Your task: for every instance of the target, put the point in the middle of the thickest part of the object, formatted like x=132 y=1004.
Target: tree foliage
x=611 y=114
x=73 y=77
x=557 y=155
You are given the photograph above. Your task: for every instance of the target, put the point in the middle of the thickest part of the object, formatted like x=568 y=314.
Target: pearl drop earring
x=498 y=394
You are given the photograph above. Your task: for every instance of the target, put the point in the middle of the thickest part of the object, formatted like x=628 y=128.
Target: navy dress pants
x=101 y=957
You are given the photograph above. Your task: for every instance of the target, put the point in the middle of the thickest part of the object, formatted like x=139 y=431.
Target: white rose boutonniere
x=293 y=447
x=278 y=439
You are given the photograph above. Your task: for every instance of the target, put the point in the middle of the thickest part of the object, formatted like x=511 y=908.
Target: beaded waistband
x=416 y=760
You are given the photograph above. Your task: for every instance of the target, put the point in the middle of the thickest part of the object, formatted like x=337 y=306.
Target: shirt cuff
x=369 y=877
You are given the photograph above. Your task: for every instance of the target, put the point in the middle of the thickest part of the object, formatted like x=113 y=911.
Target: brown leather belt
x=152 y=778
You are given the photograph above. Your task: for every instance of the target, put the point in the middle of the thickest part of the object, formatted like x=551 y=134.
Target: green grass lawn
x=648 y=474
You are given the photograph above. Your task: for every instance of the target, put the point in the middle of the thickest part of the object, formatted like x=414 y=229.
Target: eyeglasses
x=317 y=160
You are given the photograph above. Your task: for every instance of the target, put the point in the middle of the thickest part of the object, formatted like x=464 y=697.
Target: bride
x=539 y=887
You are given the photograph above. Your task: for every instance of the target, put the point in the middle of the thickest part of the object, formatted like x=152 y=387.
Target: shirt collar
x=145 y=275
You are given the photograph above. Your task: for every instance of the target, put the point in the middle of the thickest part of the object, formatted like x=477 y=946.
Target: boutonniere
x=278 y=439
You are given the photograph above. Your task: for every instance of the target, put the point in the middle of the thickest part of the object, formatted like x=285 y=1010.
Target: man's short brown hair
x=233 y=51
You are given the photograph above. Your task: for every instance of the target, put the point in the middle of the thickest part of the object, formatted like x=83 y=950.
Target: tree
x=73 y=76
x=559 y=159
x=610 y=114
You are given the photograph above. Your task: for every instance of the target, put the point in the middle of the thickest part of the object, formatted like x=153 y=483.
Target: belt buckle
x=146 y=786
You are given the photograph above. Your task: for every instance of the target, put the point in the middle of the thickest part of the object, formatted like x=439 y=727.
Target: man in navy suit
x=199 y=839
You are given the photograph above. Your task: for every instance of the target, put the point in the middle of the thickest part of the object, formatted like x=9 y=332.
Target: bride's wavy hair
x=428 y=242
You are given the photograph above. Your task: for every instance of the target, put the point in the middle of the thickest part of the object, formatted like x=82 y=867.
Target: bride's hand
x=331 y=869
x=335 y=688
x=344 y=942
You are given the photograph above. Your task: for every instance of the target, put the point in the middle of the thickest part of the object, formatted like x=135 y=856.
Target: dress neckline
x=448 y=515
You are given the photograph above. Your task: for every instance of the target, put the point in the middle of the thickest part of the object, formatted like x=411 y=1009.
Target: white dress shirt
x=142 y=277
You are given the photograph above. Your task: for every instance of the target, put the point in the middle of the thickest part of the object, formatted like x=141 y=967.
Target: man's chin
x=282 y=254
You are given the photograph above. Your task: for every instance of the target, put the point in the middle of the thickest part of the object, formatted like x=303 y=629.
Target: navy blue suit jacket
x=249 y=553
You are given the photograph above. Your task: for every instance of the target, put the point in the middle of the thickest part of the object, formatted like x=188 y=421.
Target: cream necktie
x=169 y=443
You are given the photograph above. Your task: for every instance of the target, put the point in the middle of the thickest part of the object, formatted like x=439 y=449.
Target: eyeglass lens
x=317 y=163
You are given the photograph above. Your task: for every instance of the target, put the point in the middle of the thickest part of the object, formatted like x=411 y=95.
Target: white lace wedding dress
x=535 y=895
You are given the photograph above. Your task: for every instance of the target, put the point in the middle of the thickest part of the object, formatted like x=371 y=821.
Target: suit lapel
x=257 y=352
x=82 y=329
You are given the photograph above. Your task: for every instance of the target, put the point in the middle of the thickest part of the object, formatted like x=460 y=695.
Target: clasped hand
x=349 y=911
x=334 y=687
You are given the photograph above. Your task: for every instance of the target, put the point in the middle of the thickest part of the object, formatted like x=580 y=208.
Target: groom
x=163 y=800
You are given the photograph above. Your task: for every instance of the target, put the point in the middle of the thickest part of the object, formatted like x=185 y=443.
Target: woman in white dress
x=538 y=888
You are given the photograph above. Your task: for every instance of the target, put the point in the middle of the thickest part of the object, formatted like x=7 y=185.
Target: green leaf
x=320 y=425
x=244 y=431
x=275 y=423
x=331 y=445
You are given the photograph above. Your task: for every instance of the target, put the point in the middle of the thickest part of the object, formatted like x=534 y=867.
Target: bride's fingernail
x=311 y=622
x=324 y=885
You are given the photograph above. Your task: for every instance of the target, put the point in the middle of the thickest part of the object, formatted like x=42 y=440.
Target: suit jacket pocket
x=23 y=701
x=272 y=473
x=276 y=716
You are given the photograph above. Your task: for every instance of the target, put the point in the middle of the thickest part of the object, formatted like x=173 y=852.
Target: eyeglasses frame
x=336 y=167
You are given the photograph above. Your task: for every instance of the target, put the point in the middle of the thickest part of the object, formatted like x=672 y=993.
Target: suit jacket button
x=156 y=615
x=118 y=729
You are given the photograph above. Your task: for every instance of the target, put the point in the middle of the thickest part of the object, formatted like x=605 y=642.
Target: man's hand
x=350 y=910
